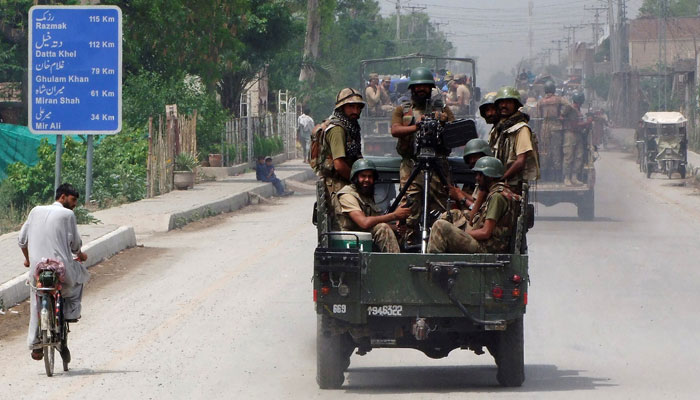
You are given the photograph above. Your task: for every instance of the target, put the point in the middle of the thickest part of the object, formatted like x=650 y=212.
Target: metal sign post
x=75 y=73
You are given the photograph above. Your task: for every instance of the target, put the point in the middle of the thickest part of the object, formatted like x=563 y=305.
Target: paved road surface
x=225 y=311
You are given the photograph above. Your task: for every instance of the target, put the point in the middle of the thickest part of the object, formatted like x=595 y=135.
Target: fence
x=238 y=141
x=168 y=136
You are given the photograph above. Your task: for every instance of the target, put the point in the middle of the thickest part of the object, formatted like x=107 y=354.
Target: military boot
x=567 y=181
x=575 y=181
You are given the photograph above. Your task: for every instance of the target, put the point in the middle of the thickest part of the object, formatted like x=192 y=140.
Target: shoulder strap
x=517 y=127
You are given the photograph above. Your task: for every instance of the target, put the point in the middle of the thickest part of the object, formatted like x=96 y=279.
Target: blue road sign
x=75 y=70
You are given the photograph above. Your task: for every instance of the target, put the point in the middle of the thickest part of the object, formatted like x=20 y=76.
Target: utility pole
x=613 y=38
x=530 y=36
x=558 y=42
x=596 y=23
x=398 y=20
x=572 y=49
x=661 y=27
x=413 y=19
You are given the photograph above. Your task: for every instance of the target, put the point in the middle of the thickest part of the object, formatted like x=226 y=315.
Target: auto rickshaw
x=663 y=143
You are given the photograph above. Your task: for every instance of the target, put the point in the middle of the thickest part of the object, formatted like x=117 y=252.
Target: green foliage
x=351 y=31
x=675 y=8
x=600 y=84
x=268 y=146
x=146 y=94
x=185 y=162
x=119 y=171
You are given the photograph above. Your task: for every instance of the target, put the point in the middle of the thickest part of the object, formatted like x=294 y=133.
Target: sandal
x=37 y=354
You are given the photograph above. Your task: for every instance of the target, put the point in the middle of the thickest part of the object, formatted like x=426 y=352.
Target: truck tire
x=332 y=356
x=509 y=355
x=586 y=206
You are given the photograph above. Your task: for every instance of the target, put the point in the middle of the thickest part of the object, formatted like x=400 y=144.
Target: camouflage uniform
x=408 y=114
x=446 y=237
x=551 y=109
x=573 y=145
x=349 y=199
x=506 y=142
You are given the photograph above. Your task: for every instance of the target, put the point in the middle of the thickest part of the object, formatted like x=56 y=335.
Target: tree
x=311 y=41
x=675 y=8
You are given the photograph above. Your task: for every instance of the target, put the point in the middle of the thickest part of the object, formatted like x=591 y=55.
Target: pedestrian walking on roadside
x=306 y=126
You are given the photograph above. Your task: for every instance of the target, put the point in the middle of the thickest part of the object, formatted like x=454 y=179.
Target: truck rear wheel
x=332 y=356
x=509 y=355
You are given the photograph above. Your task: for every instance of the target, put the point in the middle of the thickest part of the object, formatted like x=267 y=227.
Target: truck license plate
x=385 y=311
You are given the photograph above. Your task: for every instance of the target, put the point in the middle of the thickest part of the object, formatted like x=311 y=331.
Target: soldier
x=386 y=93
x=491 y=227
x=513 y=143
x=373 y=95
x=574 y=141
x=404 y=127
x=552 y=108
x=341 y=144
x=489 y=112
x=473 y=152
x=356 y=210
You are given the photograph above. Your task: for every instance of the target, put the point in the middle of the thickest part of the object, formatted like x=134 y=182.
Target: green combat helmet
x=550 y=86
x=421 y=76
x=490 y=166
x=362 y=165
x=489 y=99
x=578 y=98
x=476 y=146
x=508 y=92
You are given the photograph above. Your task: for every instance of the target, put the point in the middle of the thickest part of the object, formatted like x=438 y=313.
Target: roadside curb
x=15 y=290
x=231 y=203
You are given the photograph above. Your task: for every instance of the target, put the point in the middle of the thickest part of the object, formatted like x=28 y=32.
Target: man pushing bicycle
x=52 y=232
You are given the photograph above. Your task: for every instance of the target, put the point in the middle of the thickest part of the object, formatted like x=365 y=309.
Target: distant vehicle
x=663 y=143
x=550 y=193
x=434 y=303
x=376 y=128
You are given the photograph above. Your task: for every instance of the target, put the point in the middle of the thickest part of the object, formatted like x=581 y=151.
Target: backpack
x=318 y=136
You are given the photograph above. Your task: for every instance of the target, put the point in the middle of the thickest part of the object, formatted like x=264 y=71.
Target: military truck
x=434 y=303
x=553 y=191
x=376 y=127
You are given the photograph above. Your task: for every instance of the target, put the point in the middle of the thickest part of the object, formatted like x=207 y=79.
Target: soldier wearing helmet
x=356 y=210
x=552 y=109
x=473 y=152
x=513 y=142
x=404 y=127
x=491 y=227
x=574 y=139
x=341 y=144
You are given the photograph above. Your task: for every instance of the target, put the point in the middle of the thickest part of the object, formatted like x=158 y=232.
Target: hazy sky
x=496 y=32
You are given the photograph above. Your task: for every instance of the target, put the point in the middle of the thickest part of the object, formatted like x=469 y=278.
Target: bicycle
x=52 y=325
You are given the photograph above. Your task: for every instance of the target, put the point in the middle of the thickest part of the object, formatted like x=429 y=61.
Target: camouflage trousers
x=385 y=239
x=333 y=185
x=573 y=154
x=437 y=195
x=551 y=155
x=445 y=237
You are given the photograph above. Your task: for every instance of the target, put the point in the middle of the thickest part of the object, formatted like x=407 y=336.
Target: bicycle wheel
x=48 y=353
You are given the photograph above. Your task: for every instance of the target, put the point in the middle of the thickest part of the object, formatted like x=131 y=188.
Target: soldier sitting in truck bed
x=356 y=211
x=492 y=225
